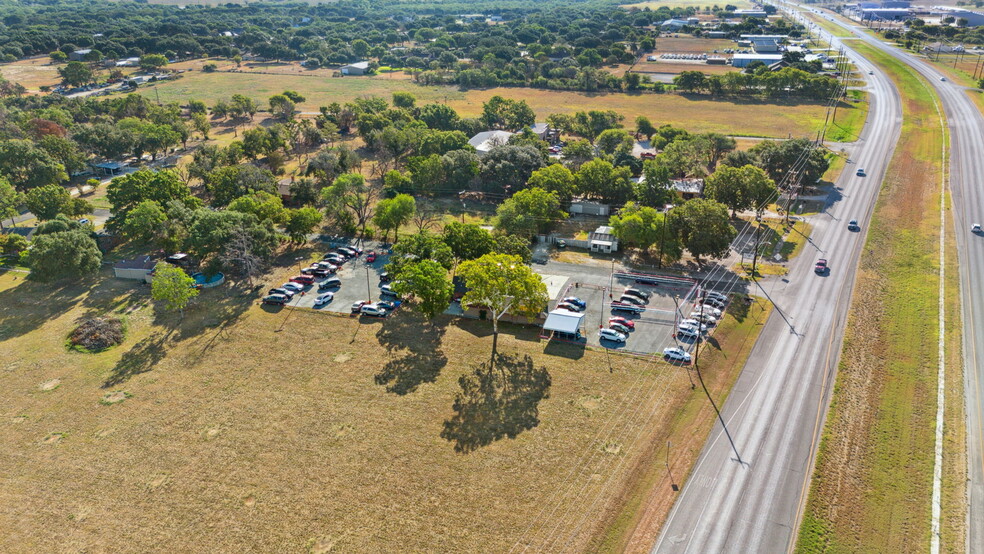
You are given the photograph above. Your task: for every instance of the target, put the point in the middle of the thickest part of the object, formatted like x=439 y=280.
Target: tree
x=242 y=252
x=467 y=241
x=282 y=107
x=60 y=224
x=502 y=284
x=460 y=168
x=48 y=201
x=554 y=178
x=152 y=62
x=439 y=116
x=64 y=151
x=514 y=246
x=10 y=200
x=576 y=153
x=126 y=192
x=26 y=166
x=600 y=179
x=420 y=246
x=509 y=167
x=405 y=100
x=173 y=287
x=611 y=141
x=740 y=188
x=349 y=192
x=75 y=74
x=210 y=231
x=428 y=283
x=231 y=182
x=201 y=124
x=145 y=222
x=392 y=213
x=645 y=127
x=690 y=81
x=301 y=222
x=502 y=113
x=704 y=228
x=529 y=212
x=654 y=189
x=58 y=255
x=264 y=205
x=777 y=158
x=644 y=227
x=57 y=56
x=12 y=244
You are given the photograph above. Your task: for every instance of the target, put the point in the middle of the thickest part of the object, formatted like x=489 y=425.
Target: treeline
x=786 y=82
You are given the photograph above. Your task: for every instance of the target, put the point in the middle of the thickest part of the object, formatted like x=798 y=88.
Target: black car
x=329 y=284
x=320 y=272
x=384 y=277
x=283 y=292
x=276 y=299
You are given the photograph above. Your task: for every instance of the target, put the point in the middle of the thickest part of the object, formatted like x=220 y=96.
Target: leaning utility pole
x=758 y=228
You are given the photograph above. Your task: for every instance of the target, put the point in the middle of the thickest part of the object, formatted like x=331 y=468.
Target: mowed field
x=243 y=428
x=697 y=4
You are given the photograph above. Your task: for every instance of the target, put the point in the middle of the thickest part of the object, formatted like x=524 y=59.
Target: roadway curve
x=775 y=412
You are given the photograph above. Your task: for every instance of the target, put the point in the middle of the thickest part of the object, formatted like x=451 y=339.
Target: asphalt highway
x=747 y=489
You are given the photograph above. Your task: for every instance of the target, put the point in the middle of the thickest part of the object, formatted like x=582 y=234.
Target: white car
x=708 y=309
x=292 y=286
x=716 y=295
x=629 y=299
x=323 y=299
x=611 y=334
x=373 y=310
x=693 y=323
x=688 y=332
x=676 y=354
x=975 y=228
x=703 y=318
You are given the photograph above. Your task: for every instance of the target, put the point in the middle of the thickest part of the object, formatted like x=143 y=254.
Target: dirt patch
x=51 y=384
x=114 y=397
x=212 y=433
x=249 y=501
x=342 y=358
x=159 y=482
x=53 y=438
x=18 y=419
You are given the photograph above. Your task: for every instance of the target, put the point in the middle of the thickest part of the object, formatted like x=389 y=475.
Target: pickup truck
x=625 y=307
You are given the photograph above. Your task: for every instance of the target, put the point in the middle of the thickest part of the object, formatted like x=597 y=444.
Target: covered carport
x=563 y=324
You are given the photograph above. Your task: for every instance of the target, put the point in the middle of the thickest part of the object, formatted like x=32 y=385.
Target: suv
x=331 y=283
x=276 y=299
x=611 y=334
x=386 y=289
x=623 y=307
x=852 y=225
x=283 y=292
x=638 y=294
x=305 y=280
x=676 y=354
x=821 y=267
x=861 y=173
x=720 y=297
x=372 y=310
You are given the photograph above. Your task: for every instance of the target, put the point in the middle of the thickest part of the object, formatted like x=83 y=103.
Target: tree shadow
x=410 y=334
x=497 y=402
x=140 y=359
x=217 y=307
x=29 y=305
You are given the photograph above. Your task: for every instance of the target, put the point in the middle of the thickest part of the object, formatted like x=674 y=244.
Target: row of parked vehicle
x=706 y=313
x=328 y=266
x=632 y=300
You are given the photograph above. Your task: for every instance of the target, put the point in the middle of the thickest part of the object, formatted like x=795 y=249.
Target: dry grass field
x=33 y=73
x=697 y=4
x=244 y=428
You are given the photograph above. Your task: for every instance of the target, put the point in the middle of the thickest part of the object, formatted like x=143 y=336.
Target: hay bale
x=97 y=334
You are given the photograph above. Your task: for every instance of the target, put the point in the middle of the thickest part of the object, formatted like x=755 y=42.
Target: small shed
x=109 y=168
x=579 y=206
x=563 y=321
x=357 y=68
x=688 y=188
x=603 y=240
x=138 y=269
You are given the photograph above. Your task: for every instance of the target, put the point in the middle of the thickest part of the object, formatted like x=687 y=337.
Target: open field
x=873 y=478
x=33 y=73
x=685 y=44
x=379 y=435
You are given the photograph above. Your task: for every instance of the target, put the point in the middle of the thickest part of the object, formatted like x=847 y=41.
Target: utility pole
x=368 y=289
x=758 y=227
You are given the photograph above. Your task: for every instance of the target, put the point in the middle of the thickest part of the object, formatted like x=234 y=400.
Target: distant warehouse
x=744 y=60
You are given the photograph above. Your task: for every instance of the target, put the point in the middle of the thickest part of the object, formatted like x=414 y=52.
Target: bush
x=97 y=334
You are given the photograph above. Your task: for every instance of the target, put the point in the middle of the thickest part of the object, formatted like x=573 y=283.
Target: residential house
x=688 y=188
x=138 y=269
x=603 y=240
x=487 y=140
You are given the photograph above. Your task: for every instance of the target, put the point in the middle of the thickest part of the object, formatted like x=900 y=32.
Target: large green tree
x=427 y=282
x=555 y=178
x=302 y=222
x=740 y=188
x=173 y=287
x=10 y=200
x=126 y=192
x=145 y=222
x=350 y=193
x=26 y=166
x=59 y=255
x=529 y=212
x=47 y=201
x=704 y=228
x=392 y=213
x=502 y=284
x=467 y=240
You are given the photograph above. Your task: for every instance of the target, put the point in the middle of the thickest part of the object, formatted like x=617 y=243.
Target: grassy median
x=872 y=486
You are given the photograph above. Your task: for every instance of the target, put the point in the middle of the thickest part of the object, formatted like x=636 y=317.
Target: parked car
x=637 y=293
x=387 y=289
x=853 y=225
x=861 y=173
x=327 y=265
x=716 y=295
x=576 y=301
x=704 y=317
x=323 y=299
x=276 y=299
x=303 y=279
x=622 y=321
x=687 y=332
x=387 y=305
x=629 y=299
x=384 y=277
x=708 y=309
x=336 y=259
x=676 y=354
x=330 y=283
x=648 y=156
x=357 y=306
x=319 y=272
x=292 y=286
x=371 y=257
x=821 y=267
x=372 y=310
x=623 y=307
x=561 y=243
x=618 y=327
x=288 y=293
x=611 y=334
x=309 y=270
x=693 y=323
x=570 y=307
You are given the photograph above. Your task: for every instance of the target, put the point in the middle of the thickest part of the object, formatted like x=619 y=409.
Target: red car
x=371 y=257
x=303 y=279
x=821 y=267
x=622 y=321
x=648 y=156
